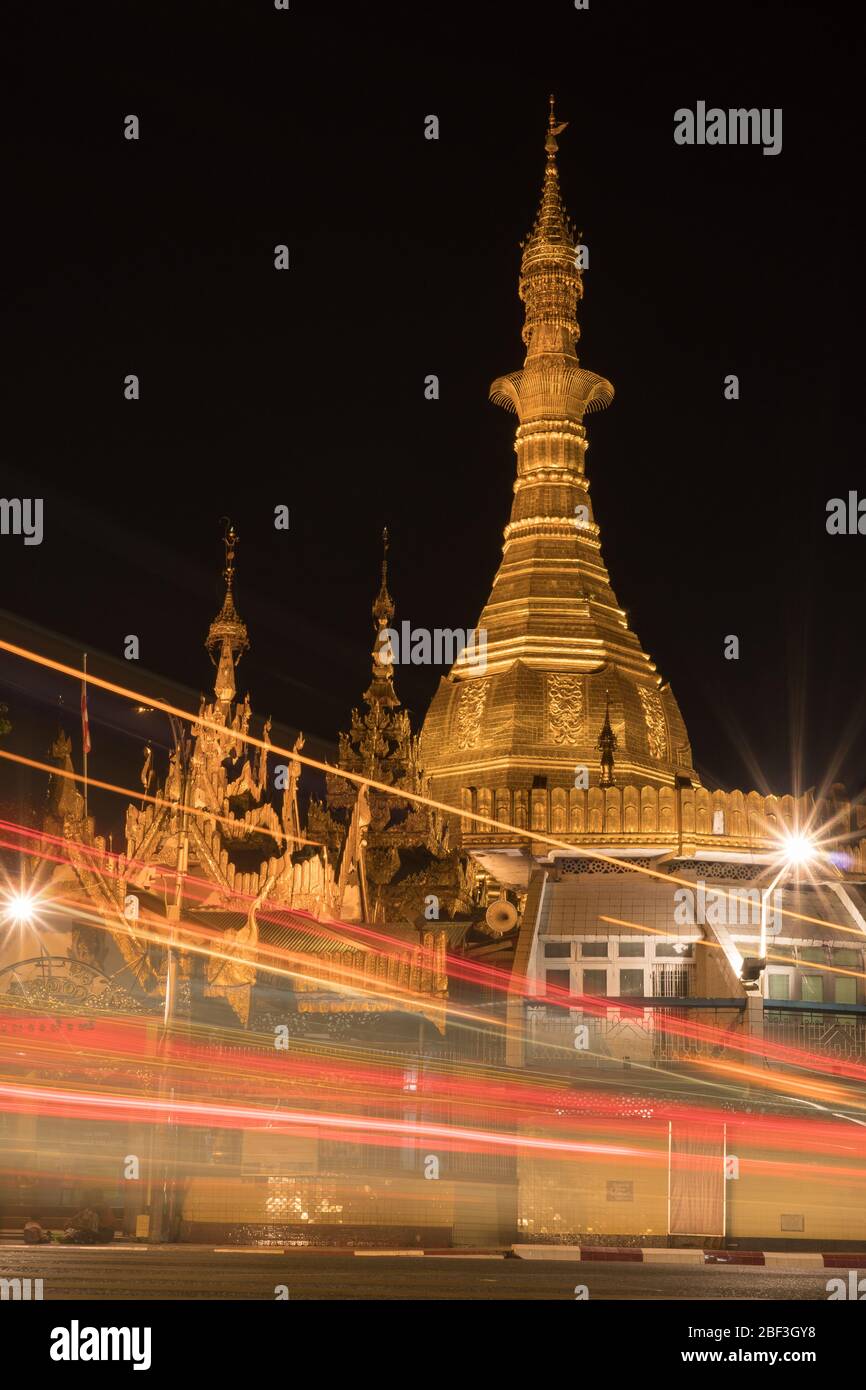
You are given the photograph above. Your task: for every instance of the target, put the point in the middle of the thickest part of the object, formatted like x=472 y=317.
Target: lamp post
x=19 y=909
x=797 y=849
x=174 y=910
x=165 y=1196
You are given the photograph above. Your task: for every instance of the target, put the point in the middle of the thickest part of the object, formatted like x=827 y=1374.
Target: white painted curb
x=655 y=1256
x=547 y=1252
x=784 y=1259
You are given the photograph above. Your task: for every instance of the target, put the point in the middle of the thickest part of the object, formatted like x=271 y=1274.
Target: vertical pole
x=765 y=897
x=166 y=1194
x=85 y=731
x=724 y=1183
x=670 y=1146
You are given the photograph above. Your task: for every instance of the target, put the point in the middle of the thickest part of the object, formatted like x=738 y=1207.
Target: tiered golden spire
x=382 y=685
x=380 y=742
x=550 y=279
x=227 y=634
x=563 y=669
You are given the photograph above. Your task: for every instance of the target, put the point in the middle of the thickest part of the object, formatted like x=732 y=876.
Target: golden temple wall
x=689 y=818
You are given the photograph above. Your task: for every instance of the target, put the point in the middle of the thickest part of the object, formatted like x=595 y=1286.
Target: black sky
x=306 y=387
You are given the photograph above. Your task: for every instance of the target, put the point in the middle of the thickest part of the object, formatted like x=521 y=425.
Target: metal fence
x=842 y=1036
x=562 y=1040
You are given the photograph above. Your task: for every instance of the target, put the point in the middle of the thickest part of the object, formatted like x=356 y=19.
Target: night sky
x=306 y=387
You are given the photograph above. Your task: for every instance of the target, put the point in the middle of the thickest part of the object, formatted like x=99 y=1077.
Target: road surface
x=198 y=1272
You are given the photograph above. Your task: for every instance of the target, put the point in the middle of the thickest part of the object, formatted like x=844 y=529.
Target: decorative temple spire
x=382 y=685
x=556 y=637
x=606 y=746
x=550 y=279
x=380 y=742
x=380 y=691
x=227 y=638
x=383 y=605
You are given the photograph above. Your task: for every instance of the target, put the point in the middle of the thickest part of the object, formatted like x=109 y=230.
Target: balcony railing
x=836 y=1034
x=638 y=1032
x=683 y=1030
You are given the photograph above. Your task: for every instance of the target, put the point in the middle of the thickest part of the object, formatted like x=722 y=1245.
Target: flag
x=85 y=722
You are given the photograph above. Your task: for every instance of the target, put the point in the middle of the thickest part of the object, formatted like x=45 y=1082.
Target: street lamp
x=797 y=849
x=174 y=911
x=162 y=1196
x=20 y=909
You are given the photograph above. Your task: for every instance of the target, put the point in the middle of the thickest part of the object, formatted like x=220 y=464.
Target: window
x=559 y=979
x=816 y=955
x=846 y=991
x=631 y=948
x=594 y=948
x=595 y=982
x=631 y=982
x=845 y=955
x=849 y=1023
x=683 y=950
x=812 y=988
x=671 y=982
x=778 y=986
x=558 y=948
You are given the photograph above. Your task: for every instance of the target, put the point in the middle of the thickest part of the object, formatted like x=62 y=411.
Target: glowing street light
x=796 y=849
x=20 y=909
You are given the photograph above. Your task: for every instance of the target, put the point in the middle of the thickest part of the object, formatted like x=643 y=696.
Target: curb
x=769 y=1259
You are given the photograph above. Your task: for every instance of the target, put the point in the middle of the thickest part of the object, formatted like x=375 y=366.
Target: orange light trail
x=200 y=941
x=539 y=837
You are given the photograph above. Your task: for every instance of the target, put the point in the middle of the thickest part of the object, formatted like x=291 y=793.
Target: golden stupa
x=566 y=698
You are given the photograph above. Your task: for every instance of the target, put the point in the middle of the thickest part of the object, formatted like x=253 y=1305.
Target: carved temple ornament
x=470 y=711
x=656 y=725
x=566 y=707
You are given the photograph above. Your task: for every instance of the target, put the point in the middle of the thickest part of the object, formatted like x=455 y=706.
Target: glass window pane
x=816 y=955
x=595 y=982
x=846 y=991
x=682 y=951
x=631 y=948
x=812 y=988
x=779 y=986
x=558 y=979
x=631 y=982
x=845 y=955
x=594 y=948
x=557 y=948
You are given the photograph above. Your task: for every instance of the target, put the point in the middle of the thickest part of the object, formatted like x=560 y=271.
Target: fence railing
x=563 y=1040
x=830 y=1034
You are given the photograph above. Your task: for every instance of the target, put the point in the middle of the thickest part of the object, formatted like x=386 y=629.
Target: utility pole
x=85 y=737
x=165 y=1195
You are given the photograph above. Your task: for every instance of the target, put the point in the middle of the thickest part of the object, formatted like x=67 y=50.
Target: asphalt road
x=184 y=1272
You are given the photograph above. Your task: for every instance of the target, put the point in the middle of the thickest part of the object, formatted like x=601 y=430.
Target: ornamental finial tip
x=554 y=128
x=383 y=607
x=230 y=541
